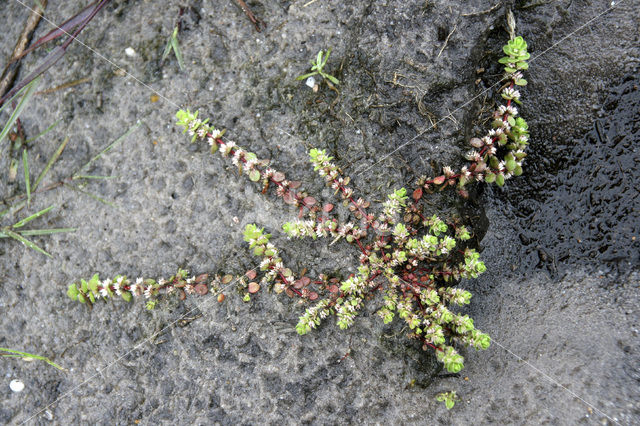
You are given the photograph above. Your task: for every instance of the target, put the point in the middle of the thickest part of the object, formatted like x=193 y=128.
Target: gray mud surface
x=561 y=295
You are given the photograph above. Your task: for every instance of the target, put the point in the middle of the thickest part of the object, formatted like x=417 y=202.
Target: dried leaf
x=254 y=287
x=417 y=194
x=201 y=289
x=439 y=180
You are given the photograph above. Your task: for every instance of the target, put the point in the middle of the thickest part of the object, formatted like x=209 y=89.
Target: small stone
x=311 y=82
x=16 y=386
x=130 y=52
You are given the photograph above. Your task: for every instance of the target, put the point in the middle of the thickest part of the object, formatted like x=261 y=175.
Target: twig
x=447 y=40
x=257 y=22
x=482 y=12
x=63 y=86
x=11 y=69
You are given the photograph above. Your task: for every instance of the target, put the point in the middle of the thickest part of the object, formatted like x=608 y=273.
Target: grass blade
x=28 y=93
x=27 y=181
x=26 y=242
x=30 y=218
x=37 y=232
x=167 y=48
x=44 y=132
x=177 y=51
x=95 y=197
x=52 y=160
x=27 y=356
x=108 y=148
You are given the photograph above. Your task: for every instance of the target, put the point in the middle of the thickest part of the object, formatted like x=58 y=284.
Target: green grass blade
x=29 y=91
x=52 y=160
x=36 y=232
x=94 y=196
x=167 y=48
x=26 y=242
x=27 y=180
x=27 y=355
x=109 y=147
x=44 y=132
x=30 y=218
x=177 y=51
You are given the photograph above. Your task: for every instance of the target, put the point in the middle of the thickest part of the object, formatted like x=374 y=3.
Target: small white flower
x=104 y=292
x=147 y=292
x=215 y=134
x=448 y=171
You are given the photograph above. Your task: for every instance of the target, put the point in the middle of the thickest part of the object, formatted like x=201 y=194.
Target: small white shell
x=16 y=386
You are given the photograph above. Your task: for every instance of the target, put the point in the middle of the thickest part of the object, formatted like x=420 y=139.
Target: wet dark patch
x=579 y=204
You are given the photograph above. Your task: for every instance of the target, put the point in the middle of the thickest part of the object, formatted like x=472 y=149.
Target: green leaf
x=44 y=132
x=332 y=79
x=29 y=91
x=254 y=175
x=72 y=292
x=305 y=76
x=26 y=242
x=33 y=232
x=27 y=355
x=94 y=196
x=126 y=295
x=177 y=51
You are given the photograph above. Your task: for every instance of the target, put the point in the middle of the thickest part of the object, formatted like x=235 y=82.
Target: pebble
x=16 y=386
x=130 y=52
x=311 y=82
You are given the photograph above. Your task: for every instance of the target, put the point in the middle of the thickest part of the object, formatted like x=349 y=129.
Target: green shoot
x=14 y=231
x=28 y=91
x=172 y=44
x=44 y=132
x=317 y=67
x=449 y=399
x=28 y=357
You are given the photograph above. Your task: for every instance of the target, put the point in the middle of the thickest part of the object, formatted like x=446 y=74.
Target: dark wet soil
x=579 y=205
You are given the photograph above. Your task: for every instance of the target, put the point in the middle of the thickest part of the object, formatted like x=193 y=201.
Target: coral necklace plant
x=411 y=259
